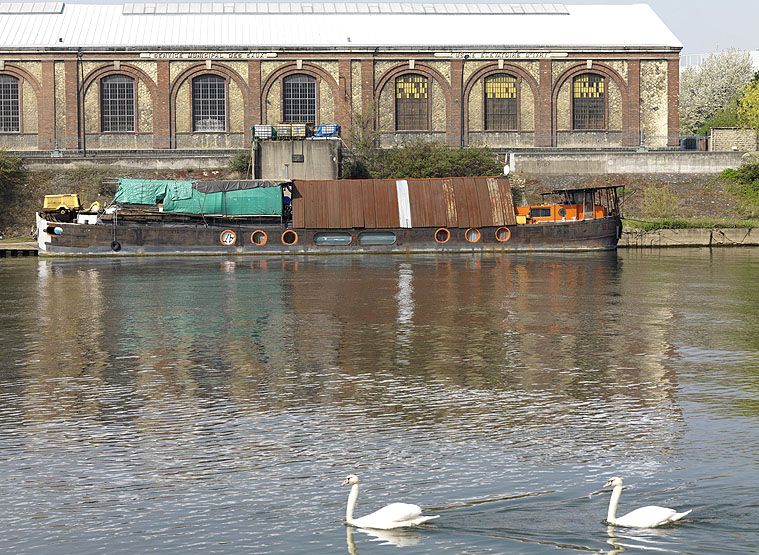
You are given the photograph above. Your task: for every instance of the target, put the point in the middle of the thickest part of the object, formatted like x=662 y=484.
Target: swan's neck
x=611 y=516
x=352 y=498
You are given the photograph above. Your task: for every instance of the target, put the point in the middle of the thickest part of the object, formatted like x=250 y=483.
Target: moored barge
x=474 y=214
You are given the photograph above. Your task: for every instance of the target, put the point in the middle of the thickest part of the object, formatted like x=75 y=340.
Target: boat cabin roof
x=582 y=189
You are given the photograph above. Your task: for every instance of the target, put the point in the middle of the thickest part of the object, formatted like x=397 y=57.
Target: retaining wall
x=689 y=238
x=572 y=163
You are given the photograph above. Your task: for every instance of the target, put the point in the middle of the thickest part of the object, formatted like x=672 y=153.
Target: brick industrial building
x=198 y=76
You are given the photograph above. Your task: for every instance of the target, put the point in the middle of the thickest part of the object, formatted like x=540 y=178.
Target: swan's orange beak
x=345 y=482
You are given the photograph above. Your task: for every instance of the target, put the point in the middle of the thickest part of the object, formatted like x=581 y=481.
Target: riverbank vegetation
x=744 y=183
x=420 y=160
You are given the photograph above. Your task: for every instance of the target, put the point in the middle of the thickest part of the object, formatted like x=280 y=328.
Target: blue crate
x=327 y=130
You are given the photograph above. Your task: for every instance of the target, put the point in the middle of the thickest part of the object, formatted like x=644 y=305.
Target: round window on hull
x=228 y=238
x=472 y=235
x=442 y=236
x=289 y=237
x=502 y=234
x=259 y=238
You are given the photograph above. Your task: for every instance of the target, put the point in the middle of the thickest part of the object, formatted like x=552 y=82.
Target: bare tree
x=709 y=87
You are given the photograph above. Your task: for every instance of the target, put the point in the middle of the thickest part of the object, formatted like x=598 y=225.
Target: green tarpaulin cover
x=248 y=202
x=147 y=191
x=182 y=197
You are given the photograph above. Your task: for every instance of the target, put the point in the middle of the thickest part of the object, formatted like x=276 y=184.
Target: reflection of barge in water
x=343 y=216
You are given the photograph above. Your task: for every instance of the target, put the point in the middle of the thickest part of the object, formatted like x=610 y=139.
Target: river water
x=214 y=405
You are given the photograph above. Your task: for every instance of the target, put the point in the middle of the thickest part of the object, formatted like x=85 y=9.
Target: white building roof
x=332 y=25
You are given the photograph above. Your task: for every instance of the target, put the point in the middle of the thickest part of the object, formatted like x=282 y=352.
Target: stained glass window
x=589 y=102
x=412 y=103
x=501 y=103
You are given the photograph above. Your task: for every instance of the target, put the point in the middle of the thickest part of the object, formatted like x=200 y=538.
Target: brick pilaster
x=74 y=128
x=367 y=96
x=162 y=109
x=454 y=128
x=632 y=133
x=343 y=111
x=543 y=112
x=46 y=108
x=253 y=115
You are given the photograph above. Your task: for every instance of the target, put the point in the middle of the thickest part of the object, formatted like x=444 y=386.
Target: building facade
x=78 y=77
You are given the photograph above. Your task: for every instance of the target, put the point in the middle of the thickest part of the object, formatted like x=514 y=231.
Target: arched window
x=412 y=103
x=117 y=104
x=209 y=103
x=501 y=103
x=10 y=120
x=299 y=99
x=589 y=102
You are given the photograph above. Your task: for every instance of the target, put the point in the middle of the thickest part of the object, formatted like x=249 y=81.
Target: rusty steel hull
x=139 y=238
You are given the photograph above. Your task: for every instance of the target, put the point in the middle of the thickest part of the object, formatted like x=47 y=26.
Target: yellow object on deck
x=521 y=219
x=61 y=202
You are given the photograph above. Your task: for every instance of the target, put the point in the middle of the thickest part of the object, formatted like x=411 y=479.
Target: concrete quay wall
x=600 y=163
x=662 y=238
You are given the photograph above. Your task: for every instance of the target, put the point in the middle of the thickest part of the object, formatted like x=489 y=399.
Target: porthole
x=562 y=212
x=442 y=236
x=259 y=238
x=289 y=237
x=228 y=238
x=333 y=238
x=376 y=238
x=472 y=235
x=502 y=234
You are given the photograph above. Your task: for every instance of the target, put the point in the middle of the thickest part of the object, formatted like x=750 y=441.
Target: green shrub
x=744 y=184
x=423 y=159
x=240 y=163
x=11 y=172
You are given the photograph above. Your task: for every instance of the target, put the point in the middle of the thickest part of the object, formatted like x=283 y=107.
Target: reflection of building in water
x=405 y=299
x=537 y=325
x=277 y=333
x=67 y=356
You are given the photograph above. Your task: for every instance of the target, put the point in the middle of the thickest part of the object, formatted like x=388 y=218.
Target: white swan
x=645 y=517
x=395 y=515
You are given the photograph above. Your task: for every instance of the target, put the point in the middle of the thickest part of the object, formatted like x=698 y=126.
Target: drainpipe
x=80 y=122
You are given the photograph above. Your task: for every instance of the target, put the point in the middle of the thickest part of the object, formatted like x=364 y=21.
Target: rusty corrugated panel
x=509 y=216
x=315 y=206
x=462 y=202
x=483 y=202
x=496 y=206
x=452 y=202
x=386 y=203
x=438 y=211
x=449 y=197
x=321 y=199
x=297 y=207
x=369 y=206
x=473 y=202
x=343 y=203
x=356 y=204
x=420 y=193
